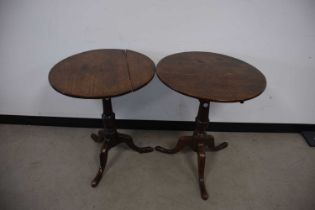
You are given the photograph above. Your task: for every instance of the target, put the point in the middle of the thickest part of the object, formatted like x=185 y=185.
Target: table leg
x=201 y=168
x=197 y=142
x=111 y=138
x=182 y=142
x=209 y=141
x=128 y=140
x=103 y=161
x=98 y=138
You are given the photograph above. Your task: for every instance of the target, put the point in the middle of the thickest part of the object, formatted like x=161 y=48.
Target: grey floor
x=51 y=168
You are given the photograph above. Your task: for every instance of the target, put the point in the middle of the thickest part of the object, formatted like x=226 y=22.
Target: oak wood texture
x=101 y=73
x=210 y=76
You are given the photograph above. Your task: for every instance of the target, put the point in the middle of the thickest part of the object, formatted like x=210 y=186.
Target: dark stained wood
x=101 y=73
x=141 y=69
x=211 y=76
x=207 y=77
x=197 y=142
x=104 y=73
x=110 y=136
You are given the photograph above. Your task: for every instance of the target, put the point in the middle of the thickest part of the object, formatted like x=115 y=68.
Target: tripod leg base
x=111 y=142
x=197 y=143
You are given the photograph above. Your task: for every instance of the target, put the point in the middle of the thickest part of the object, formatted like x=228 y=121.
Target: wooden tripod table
x=103 y=74
x=208 y=77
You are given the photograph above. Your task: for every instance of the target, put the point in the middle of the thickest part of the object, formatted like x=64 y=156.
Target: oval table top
x=101 y=73
x=211 y=77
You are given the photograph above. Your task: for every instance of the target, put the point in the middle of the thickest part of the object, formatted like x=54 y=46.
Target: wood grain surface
x=210 y=76
x=101 y=73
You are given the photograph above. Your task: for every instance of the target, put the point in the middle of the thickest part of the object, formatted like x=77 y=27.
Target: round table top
x=211 y=77
x=101 y=73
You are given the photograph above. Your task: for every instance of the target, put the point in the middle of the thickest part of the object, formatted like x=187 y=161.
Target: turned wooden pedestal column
x=199 y=142
x=110 y=138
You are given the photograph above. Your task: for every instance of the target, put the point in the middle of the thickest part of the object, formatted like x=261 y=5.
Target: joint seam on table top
x=128 y=70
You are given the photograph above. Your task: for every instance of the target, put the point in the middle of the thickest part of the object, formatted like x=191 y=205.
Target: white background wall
x=276 y=36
